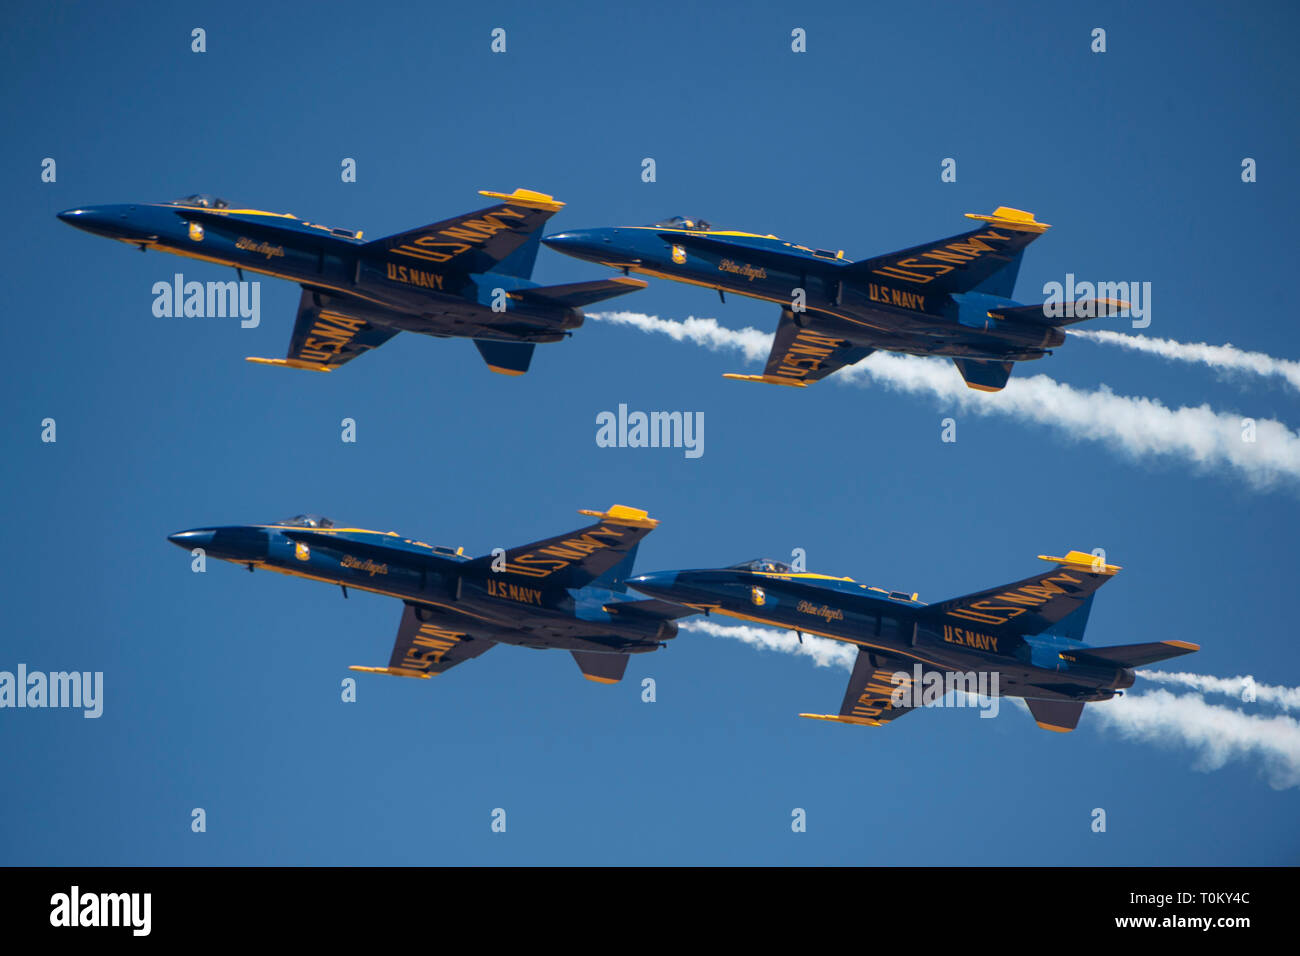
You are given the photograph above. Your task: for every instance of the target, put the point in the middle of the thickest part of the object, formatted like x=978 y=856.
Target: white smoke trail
x=1217 y=734
x=823 y=651
x=1226 y=357
x=1136 y=425
x=1287 y=698
x=707 y=332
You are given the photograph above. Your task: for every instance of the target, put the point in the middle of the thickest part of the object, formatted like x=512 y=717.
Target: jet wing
x=986 y=259
x=1031 y=605
x=800 y=356
x=502 y=238
x=428 y=643
x=327 y=335
x=574 y=559
x=869 y=697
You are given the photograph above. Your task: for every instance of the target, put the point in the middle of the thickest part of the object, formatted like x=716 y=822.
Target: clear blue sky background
x=223 y=689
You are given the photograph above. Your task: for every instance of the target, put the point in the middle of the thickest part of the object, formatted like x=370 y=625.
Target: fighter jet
x=949 y=297
x=564 y=592
x=465 y=277
x=1028 y=633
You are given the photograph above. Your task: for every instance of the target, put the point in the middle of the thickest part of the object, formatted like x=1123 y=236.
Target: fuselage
x=892 y=623
x=402 y=296
x=437 y=578
x=869 y=310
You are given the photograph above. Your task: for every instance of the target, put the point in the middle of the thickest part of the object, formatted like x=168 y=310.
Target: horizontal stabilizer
x=1063 y=313
x=575 y=295
x=982 y=375
x=1061 y=716
x=506 y=358
x=1133 y=655
x=601 y=668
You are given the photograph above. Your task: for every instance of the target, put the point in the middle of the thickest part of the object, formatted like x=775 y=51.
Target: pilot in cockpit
x=307 y=521
x=204 y=201
x=766 y=565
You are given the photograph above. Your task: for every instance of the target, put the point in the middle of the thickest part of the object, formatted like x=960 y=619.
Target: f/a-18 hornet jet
x=1028 y=633
x=567 y=592
x=948 y=297
x=464 y=277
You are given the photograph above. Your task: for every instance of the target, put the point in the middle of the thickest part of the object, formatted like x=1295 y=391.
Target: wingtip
x=1009 y=218
x=394 y=671
x=842 y=719
x=288 y=363
x=622 y=514
x=526 y=197
x=1084 y=561
x=765 y=379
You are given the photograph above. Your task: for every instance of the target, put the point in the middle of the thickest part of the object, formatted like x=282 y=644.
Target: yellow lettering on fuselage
x=514 y=592
x=896 y=297
x=958 y=635
x=425 y=280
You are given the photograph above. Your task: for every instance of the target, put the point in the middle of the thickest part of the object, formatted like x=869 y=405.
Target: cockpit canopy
x=307 y=521
x=681 y=222
x=763 y=564
x=203 y=200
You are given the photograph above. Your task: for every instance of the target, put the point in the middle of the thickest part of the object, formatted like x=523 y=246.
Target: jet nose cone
x=189 y=540
x=582 y=243
x=560 y=240
x=658 y=584
x=108 y=221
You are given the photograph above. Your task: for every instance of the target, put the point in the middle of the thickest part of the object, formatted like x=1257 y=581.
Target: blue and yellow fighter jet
x=949 y=297
x=443 y=279
x=1029 y=633
x=567 y=592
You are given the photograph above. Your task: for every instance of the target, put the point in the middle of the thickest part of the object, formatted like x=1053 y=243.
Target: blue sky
x=222 y=690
